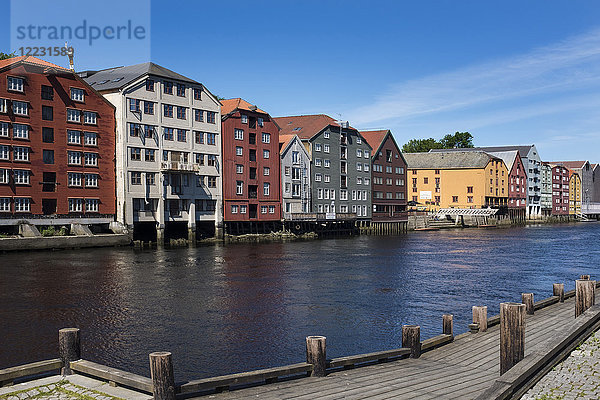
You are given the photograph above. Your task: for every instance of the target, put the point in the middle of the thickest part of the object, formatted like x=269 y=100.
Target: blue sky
x=510 y=72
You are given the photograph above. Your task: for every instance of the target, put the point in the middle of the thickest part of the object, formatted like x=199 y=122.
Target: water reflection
x=223 y=309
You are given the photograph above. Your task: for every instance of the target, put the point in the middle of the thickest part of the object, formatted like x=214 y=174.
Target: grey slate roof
x=523 y=150
x=447 y=160
x=118 y=77
x=508 y=157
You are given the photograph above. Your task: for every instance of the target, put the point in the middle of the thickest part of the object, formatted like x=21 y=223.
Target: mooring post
x=411 y=339
x=480 y=317
x=527 y=299
x=584 y=277
x=161 y=372
x=69 y=348
x=584 y=295
x=316 y=354
x=512 y=335
x=558 y=289
x=448 y=324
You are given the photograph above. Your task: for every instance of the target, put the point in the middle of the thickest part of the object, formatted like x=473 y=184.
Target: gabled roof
x=448 y=160
x=523 y=150
x=230 y=105
x=509 y=157
x=305 y=126
x=375 y=139
x=284 y=142
x=571 y=164
x=29 y=60
x=119 y=77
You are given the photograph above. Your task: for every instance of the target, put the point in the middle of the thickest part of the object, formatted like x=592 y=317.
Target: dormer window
x=15 y=84
x=244 y=119
x=77 y=94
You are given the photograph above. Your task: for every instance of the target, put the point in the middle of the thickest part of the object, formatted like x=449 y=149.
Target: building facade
x=457 y=180
x=560 y=189
x=295 y=176
x=168 y=154
x=252 y=188
x=56 y=146
x=546 y=200
x=574 y=194
x=596 y=178
x=340 y=165
x=388 y=182
x=517 y=183
x=585 y=172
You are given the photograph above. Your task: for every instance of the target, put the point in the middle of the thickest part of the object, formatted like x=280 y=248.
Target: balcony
x=178 y=166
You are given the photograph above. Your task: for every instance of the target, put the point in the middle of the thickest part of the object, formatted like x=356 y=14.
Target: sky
x=509 y=72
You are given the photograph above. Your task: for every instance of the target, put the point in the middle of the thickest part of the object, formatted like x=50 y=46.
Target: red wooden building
x=388 y=177
x=57 y=146
x=251 y=168
x=560 y=189
x=517 y=183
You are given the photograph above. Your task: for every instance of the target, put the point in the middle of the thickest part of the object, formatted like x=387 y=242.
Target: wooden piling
x=316 y=354
x=584 y=295
x=527 y=299
x=411 y=338
x=480 y=317
x=512 y=335
x=448 y=324
x=69 y=348
x=584 y=277
x=161 y=372
x=558 y=289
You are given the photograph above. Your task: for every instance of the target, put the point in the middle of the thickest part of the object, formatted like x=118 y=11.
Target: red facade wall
x=385 y=209
x=61 y=82
x=560 y=190
x=517 y=182
x=231 y=160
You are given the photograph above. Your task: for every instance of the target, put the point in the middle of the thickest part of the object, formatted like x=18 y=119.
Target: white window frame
x=4 y=152
x=73 y=136
x=318 y=177
x=266 y=154
x=238 y=134
x=266 y=171
x=325 y=148
x=22 y=204
x=326 y=163
x=91 y=180
x=75 y=205
x=239 y=187
x=266 y=137
x=91 y=205
x=239 y=151
x=74 y=157
x=239 y=168
x=73 y=115
x=3 y=106
x=75 y=179
x=4 y=175
x=15 y=84
x=78 y=95
x=244 y=119
x=21 y=176
x=90 y=138
x=234 y=208
x=90 y=117
x=4 y=129
x=266 y=189
x=20 y=153
x=318 y=162
x=20 y=107
x=90 y=159
x=4 y=204
x=20 y=131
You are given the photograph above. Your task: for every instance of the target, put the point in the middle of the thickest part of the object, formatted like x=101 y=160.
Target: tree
x=4 y=56
x=459 y=140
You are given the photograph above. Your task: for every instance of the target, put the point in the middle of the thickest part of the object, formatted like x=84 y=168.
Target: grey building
x=340 y=164
x=596 y=197
x=546 y=201
x=585 y=171
x=295 y=175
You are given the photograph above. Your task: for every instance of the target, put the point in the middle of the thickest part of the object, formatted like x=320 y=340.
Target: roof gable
x=29 y=60
x=305 y=126
x=230 y=105
x=448 y=160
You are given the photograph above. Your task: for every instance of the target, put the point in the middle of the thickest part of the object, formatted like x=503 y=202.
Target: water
x=225 y=309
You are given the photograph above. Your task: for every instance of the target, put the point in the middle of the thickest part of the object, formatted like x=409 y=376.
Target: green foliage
x=4 y=56
x=458 y=140
x=51 y=231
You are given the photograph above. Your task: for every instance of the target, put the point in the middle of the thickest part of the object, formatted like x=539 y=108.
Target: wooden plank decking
x=462 y=369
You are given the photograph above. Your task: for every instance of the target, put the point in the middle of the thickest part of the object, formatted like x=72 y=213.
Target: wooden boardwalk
x=462 y=369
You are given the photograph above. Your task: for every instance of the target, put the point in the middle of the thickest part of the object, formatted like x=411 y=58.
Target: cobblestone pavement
x=577 y=377
x=63 y=390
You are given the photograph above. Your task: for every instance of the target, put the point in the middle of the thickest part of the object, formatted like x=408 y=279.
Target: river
x=224 y=309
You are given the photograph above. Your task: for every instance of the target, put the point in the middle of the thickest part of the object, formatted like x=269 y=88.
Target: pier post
x=584 y=295
x=558 y=289
x=69 y=348
x=448 y=324
x=480 y=317
x=316 y=352
x=512 y=335
x=163 y=380
x=584 y=277
x=411 y=338
x=527 y=299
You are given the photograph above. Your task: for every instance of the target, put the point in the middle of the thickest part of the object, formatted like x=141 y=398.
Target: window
x=244 y=119
x=260 y=121
x=239 y=150
x=73 y=137
x=4 y=127
x=358 y=180
x=150 y=155
x=318 y=162
x=199 y=180
x=296 y=174
x=239 y=187
x=266 y=188
x=212 y=181
x=425 y=180
x=47 y=113
x=136 y=178
x=91 y=159
x=469 y=189
x=91 y=205
x=199 y=158
x=77 y=94
x=47 y=92
x=266 y=171
x=326 y=148
x=136 y=154
x=15 y=84
x=197 y=94
x=48 y=156
x=366 y=167
x=21 y=176
x=199 y=115
x=22 y=204
x=20 y=153
x=358 y=140
x=359 y=166
x=263 y=209
x=326 y=135
x=181 y=135
x=318 y=177
x=455 y=199
x=4 y=204
x=181 y=112
x=211 y=138
x=4 y=175
x=20 y=131
x=90 y=139
x=168 y=110
x=199 y=137
x=168 y=133
x=74 y=179
x=271 y=209
x=168 y=87
x=149 y=85
x=266 y=137
x=239 y=169
x=75 y=205
x=20 y=107
x=134 y=130
x=266 y=153
x=148 y=107
x=211 y=160
x=317 y=146
x=89 y=117
x=238 y=134
x=4 y=152
x=91 y=180
x=327 y=178
x=210 y=117
x=180 y=90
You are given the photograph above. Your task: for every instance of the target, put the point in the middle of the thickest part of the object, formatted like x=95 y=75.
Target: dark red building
x=560 y=189
x=388 y=180
x=251 y=169
x=57 y=145
x=517 y=183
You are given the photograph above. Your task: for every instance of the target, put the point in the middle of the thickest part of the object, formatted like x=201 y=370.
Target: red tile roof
x=374 y=138
x=284 y=141
x=231 y=105
x=571 y=164
x=305 y=126
x=29 y=60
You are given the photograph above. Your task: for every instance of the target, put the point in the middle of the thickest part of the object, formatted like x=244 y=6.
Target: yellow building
x=457 y=179
x=574 y=193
